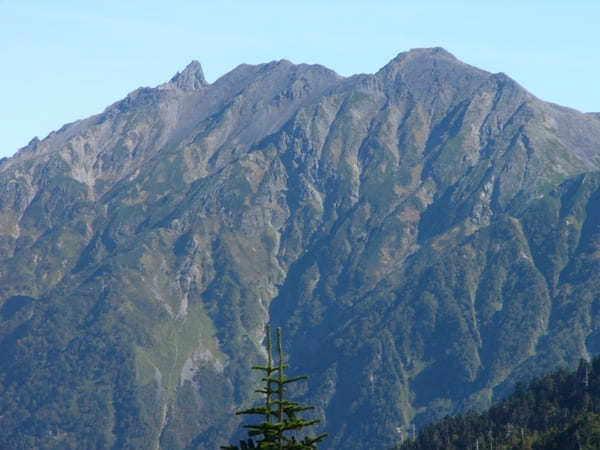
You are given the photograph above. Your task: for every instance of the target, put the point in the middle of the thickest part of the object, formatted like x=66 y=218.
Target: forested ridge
x=557 y=411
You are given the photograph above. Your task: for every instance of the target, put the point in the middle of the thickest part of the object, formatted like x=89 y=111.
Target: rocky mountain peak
x=428 y=52
x=191 y=78
x=428 y=63
x=432 y=223
x=432 y=77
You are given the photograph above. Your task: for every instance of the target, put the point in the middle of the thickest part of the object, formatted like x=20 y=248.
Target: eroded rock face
x=427 y=235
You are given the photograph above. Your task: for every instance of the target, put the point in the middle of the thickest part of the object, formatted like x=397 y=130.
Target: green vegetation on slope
x=400 y=226
x=558 y=411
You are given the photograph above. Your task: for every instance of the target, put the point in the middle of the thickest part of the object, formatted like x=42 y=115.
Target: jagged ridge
x=426 y=235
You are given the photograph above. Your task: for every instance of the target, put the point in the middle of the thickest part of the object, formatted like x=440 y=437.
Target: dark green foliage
x=280 y=415
x=558 y=411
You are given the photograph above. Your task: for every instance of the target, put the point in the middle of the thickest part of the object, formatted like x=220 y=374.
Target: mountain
x=427 y=236
x=557 y=411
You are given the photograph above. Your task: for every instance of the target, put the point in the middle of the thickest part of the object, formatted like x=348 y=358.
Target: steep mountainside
x=556 y=412
x=428 y=235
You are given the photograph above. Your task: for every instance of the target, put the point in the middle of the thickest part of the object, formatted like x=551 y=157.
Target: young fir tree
x=281 y=423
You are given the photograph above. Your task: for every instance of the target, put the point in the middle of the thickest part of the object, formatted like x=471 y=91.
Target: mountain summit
x=427 y=235
x=191 y=78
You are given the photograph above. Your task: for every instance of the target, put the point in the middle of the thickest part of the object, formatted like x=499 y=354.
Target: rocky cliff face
x=427 y=235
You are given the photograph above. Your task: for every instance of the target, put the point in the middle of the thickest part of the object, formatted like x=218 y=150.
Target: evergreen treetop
x=281 y=423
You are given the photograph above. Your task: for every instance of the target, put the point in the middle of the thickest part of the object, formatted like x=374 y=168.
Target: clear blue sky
x=63 y=60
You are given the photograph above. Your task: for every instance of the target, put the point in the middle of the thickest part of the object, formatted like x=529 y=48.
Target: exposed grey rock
x=191 y=78
x=403 y=226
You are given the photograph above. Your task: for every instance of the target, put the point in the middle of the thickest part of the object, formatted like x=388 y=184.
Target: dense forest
x=557 y=411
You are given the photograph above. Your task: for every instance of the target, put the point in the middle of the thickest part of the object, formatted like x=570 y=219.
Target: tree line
x=556 y=411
